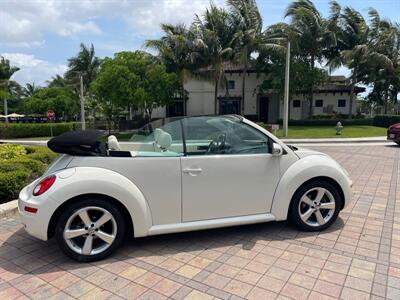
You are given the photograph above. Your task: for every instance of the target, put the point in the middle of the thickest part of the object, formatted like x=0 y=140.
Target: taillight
x=44 y=185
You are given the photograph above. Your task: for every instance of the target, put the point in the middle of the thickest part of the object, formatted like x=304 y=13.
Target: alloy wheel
x=90 y=230
x=316 y=207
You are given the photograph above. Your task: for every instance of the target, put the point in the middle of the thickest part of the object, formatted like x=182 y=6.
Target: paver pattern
x=358 y=258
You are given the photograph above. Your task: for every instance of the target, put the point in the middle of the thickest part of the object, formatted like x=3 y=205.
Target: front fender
x=301 y=171
x=77 y=181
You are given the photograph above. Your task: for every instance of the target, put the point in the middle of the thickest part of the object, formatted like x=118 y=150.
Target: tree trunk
x=243 y=87
x=310 y=112
x=386 y=97
x=216 y=95
x=183 y=99
x=352 y=85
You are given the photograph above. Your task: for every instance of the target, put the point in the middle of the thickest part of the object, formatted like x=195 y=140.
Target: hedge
x=42 y=154
x=11 y=183
x=24 y=130
x=20 y=165
x=330 y=122
x=9 y=151
x=386 y=120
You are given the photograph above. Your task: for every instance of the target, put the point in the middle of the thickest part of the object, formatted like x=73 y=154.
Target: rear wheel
x=315 y=206
x=90 y=230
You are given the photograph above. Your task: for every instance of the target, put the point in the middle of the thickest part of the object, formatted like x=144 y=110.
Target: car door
x=227 y=171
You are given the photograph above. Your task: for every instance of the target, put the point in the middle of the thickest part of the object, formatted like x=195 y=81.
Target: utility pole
x=286 y=92
x=82 y=104
x=5 y=109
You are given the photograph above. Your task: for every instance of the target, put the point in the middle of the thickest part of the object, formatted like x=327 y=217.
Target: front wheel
x=315 y=206
x=90 y=230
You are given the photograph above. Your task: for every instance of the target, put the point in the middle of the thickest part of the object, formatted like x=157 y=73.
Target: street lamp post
x=82 y=103
x=5 y=108
x=286 y=92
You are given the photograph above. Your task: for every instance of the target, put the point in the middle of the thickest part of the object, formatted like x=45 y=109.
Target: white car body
x=175 y=194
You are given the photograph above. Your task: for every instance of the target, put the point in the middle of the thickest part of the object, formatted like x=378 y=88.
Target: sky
x=39 y=36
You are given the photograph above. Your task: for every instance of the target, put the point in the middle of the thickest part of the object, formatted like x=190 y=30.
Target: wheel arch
x=121 y=207
x=326 y=179
x=316 y=167
x=94 y=181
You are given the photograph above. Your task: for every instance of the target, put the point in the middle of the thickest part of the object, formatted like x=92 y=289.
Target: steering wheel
x=216 y=146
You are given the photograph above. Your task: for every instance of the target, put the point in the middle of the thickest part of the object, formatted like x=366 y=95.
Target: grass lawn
x=314 y=132
x=295 y=132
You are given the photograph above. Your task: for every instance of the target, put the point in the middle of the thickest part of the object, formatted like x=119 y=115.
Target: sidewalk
x=377 y=139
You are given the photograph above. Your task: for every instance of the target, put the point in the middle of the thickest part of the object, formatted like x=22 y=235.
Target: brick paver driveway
x=358 y=258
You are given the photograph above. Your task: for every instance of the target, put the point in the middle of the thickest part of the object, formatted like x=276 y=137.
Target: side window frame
x=268 y=140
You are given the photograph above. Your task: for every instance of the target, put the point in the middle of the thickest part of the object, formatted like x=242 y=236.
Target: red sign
x=51 y=114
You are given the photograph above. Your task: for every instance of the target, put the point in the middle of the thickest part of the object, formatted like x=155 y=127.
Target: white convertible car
x=177 y=175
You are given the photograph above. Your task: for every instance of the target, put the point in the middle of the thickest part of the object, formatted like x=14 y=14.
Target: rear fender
x=78 y=181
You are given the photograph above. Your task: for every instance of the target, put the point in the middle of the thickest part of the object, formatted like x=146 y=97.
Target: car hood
x=395 y=126
x=303 y=152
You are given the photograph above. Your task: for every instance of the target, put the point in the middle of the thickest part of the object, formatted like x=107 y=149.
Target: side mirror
x=277 y=149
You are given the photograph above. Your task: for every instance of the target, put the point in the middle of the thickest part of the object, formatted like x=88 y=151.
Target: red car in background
x=393 y=133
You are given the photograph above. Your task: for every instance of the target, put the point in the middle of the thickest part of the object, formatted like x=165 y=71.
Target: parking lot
x=358 y=258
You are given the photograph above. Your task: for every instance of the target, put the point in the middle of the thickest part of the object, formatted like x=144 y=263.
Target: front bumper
x=36 y=224
x=393 y=136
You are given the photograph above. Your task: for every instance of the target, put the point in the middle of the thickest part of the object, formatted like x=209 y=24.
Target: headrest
x=164 y=140
x=157 y=133
x=113 y=143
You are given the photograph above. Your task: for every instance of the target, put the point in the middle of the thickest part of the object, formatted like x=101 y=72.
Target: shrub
x=11 y=183
x=8 y=151
x=35 y=168
x=40 y=153
x=386 y=120
x=23 y=130
x=19 y=166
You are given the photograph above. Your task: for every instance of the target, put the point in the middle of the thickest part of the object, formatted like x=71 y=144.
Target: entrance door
x=175 y=109
x=263 y=109
x=228 y=106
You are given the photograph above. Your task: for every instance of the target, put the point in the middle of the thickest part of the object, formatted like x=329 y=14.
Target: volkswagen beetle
x=174 y=175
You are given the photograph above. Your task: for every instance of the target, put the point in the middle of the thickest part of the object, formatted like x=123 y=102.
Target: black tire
x=102 y=203
x=294 y=214
x=398 y=143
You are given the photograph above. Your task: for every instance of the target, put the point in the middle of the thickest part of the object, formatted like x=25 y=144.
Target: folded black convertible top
x=80 y=143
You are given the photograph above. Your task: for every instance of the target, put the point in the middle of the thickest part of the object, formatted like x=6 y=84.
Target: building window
x=319 y=103
x=341 y=103
x=231 y=84
x=296 y=103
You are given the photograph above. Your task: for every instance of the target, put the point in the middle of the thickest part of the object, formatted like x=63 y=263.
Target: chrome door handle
x=192 y=170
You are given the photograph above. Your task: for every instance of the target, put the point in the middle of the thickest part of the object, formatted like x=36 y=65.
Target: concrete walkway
x=357 y=258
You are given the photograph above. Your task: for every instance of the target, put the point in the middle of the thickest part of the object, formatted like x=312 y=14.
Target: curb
x=8 y=209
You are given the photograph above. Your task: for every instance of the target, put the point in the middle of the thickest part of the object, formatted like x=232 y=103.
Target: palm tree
x=6 y=85
x=85 y=64
x=355 y=50
x=175 y=51
x=247 y=22
x=30 y=89
x=57 y=81
x=385 y=40
x=313 y=35
x=213 y=46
